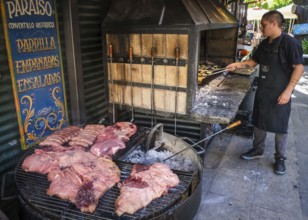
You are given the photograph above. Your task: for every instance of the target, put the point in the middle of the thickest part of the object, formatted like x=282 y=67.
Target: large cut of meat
x=60 y=137
x=98 y=176
x=120 y=130
x=65 y=184
x=68 y=158
x=40 y=163
x=145 y=184
x=87 y=136
x=55 y=157
x=125 y=128
x=107 y=147
x=84 y=182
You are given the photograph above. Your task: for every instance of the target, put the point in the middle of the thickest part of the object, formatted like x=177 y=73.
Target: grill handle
x=156 y=134
x=197 y=147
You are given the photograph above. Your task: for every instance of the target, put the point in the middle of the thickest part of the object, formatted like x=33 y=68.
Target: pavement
x=234 y=188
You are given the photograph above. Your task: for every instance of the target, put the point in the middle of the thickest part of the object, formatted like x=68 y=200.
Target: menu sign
x=32 y=41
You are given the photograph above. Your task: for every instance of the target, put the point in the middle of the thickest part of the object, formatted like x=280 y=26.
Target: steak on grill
x=84 y=182
x=40 y=163
x=107 y=147
x=120 y=130
x=65 y=184
x=145 y=184
x=98 y=176
x=55 y=157
x=87 y=136
x=61 y=136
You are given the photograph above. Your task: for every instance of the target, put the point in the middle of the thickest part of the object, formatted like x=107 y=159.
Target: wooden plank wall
x=164 y=75
x=221 y=46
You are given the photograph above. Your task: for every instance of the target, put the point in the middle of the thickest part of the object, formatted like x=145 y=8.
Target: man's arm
x=245 y=64
x=297 y=73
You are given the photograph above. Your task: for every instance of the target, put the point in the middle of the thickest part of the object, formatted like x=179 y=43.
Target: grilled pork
x=55 y=157
x=40 y=163
x=61 y=136
x=145 y=184
x=84 y=183
x=120 y=130
x=65 y=184
x=98 y=176
x=107 y=147
x=87 y=136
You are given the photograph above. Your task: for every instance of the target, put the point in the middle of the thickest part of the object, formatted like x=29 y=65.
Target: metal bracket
x=147 y=60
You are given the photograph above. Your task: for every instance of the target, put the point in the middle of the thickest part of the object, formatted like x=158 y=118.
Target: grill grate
x=32 y=188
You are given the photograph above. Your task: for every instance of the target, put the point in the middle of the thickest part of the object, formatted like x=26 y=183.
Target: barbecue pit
x=153 y=51
x=36 y=204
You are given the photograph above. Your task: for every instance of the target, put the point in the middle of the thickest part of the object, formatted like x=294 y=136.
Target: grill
x=32 y=188
x=154 y=51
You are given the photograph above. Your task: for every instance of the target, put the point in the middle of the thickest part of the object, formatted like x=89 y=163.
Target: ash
x=222 y=101
x=152 y=156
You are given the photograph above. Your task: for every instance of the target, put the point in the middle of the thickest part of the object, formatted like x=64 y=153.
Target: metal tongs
x=224 y=71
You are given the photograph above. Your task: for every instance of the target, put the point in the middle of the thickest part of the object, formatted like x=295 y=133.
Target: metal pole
x=131 y=81
x=177 y=55
x=111 y=79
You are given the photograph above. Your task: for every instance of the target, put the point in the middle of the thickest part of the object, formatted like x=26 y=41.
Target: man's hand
x=232 y=66
x=295 y=77
x=284 y=98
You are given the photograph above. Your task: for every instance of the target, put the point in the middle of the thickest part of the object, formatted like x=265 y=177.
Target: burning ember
x=176 y=163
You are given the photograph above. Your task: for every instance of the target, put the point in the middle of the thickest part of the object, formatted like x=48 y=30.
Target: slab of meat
x=107 y=147
x=107 y=134
x=120 y=130
x=85 y=182
x=68 y=158
x=65 y=184
x=98 y=176
x=55 y=157
x=60 y=137
x=145 y=184
x=125 y=129
x=87 y=136
x=40 y=163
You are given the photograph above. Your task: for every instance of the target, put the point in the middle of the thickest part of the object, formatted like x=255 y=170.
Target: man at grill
x=281 y=66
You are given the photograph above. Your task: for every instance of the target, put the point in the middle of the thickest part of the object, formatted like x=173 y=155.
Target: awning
x=255 y=13
x=287 y=12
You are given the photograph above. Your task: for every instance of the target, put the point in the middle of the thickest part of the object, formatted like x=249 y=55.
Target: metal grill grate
x=32 y=188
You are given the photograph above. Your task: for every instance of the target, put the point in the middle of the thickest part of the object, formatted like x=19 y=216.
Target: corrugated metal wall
x=91 y=14
x=10 y=150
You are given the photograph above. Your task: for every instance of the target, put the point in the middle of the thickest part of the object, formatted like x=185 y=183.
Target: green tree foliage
x=279 y=3
x=305 y=46
x=270 y=4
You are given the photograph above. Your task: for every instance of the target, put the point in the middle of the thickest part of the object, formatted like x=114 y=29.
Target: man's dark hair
x=274 y=16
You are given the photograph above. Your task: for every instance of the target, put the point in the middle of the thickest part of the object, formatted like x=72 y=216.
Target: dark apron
x=273 y=79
